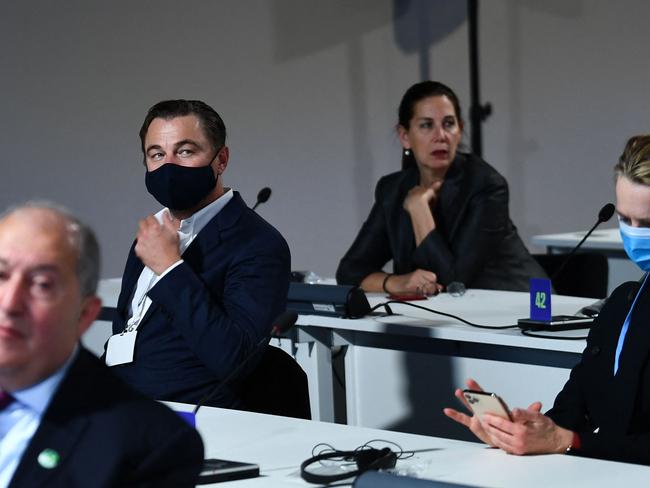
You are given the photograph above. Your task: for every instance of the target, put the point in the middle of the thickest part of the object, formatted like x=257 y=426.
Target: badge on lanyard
x=120 y=348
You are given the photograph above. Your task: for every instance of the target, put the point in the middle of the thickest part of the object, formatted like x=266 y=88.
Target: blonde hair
x=634 y=163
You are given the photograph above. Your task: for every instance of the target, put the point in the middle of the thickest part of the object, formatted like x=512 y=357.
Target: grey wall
x=309 y=90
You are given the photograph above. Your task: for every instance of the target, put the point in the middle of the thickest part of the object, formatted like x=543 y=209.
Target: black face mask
x=180 y=187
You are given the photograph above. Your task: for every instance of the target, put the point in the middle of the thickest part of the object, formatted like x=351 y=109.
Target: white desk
x=278 y=445
x=401 y=370
x=606 y=241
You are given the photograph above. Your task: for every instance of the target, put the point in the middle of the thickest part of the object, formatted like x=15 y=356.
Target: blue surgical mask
x=636 y=241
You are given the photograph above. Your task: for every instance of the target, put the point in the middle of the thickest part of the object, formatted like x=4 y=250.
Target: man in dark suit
x=603 y=411
x=65 y=420
x=206 y=276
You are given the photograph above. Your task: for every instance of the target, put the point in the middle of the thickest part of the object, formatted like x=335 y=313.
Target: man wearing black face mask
x=206 y=275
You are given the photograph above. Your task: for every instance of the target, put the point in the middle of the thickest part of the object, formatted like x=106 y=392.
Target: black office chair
x=277 y=386
x=585 y=274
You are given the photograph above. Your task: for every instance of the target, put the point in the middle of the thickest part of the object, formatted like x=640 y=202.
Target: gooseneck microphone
x=604 y=215
x=281 y=324
x=262 y=196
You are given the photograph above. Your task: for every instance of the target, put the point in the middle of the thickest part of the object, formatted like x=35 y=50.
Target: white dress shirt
x=187 y=232
x=20 y=420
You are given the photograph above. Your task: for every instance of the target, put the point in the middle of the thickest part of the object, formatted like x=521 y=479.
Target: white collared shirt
x=187 y=232
x=20 y=420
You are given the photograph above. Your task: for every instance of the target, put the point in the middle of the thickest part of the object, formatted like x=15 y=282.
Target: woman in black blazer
x=443 y=218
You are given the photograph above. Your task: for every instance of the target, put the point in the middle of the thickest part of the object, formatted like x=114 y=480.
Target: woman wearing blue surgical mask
x=603 y=411
x=633 y=200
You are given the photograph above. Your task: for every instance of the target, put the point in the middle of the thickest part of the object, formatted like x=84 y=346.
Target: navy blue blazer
x=474 y=242
x=107 y=435
x=618 y=406
x=209 y=312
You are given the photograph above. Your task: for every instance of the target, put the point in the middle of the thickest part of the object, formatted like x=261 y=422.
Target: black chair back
x=585 y=274
x=277 y=386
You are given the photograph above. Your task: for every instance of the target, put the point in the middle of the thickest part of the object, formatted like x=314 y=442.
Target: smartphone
x=557 y=322
x=482 y=402
x=407 y=298
x=215 y=470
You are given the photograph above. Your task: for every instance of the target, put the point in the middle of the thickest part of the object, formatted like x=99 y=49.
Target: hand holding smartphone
x=482 y=402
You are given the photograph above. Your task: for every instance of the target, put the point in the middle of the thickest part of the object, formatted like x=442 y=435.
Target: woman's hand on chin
x=419 y=198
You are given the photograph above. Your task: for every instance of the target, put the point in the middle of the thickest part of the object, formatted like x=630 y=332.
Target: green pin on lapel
x=48 y=458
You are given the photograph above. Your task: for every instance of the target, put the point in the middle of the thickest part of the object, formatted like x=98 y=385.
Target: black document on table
x=557 y=322
x=216 y=470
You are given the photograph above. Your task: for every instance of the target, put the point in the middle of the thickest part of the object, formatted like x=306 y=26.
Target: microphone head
x=606 y=212
x=263 y=195
x=284 y=322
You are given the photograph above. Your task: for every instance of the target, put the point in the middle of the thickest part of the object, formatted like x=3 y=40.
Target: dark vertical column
x=477 y=112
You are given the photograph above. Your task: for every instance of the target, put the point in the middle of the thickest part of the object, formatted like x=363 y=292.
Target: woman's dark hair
x=413 y=95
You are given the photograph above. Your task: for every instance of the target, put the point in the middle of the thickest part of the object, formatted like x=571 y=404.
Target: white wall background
x=309 y=91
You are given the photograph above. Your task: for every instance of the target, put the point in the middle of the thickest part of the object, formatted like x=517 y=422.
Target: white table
x=401 y=370
x=605 y=241
x=278 y=445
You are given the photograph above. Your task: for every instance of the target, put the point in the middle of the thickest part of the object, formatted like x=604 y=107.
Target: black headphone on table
x=366 y=459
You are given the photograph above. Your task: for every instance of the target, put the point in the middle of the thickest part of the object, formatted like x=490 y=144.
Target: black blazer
x=474 y=242
x=618 y=406
x=107 y=435
x=209 y=312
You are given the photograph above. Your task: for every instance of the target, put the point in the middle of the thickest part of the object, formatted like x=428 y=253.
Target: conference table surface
x=279 y=445
x=491 y=308
x=386 y=355
x=487 y=307
x=601 y=239
x=411 y=329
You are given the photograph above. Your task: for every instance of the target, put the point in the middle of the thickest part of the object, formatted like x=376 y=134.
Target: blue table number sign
x=540 y=299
